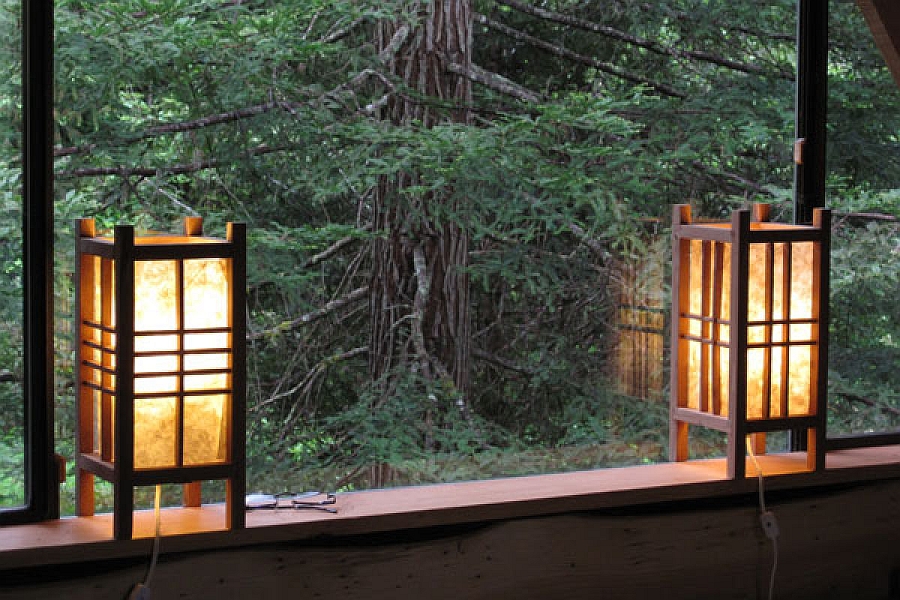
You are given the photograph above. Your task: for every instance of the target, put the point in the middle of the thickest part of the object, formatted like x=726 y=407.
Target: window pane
x=864 y=187
x=12 y=489
x=541 y=220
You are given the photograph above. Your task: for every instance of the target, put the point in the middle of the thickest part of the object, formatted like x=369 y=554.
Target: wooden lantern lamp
x=749 y=331
x=160 y=365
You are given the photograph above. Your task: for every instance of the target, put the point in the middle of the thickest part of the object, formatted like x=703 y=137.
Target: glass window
x=12 y=409
x=516 y=256
x=444 y=290
x=27 y=466
x=864 y=190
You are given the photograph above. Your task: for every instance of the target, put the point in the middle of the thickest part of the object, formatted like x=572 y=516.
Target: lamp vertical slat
x=819 y=385
x=737 y=379
x=123 y=493
x=179 y=357
x=768 y=299
x=715 y=341
x=786 y=357
x=705 y=325
x=107 y=318
x=192 y=495
x=678 y=430
x=84 y=277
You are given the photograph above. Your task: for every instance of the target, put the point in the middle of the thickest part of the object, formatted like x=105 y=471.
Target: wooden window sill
x=76 y=539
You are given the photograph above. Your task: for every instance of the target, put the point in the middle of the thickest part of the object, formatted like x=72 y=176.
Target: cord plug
x=769 y=524
x=139 y=592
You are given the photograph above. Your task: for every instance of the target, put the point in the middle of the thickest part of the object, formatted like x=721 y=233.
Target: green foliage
x=268 y=112
x=12 y=474
x=864 y=351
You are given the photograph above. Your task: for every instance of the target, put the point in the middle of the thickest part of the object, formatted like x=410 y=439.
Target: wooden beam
x=883 y=18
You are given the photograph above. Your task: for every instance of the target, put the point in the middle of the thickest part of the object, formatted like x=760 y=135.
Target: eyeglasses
x=315 y=500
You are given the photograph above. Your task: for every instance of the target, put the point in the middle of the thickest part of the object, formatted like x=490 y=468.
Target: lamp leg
x=758 y=440
x=123 y=511
x=235 y=490
x=191 y=495
x=815 y=455
x=84 y=493
x=678 y=441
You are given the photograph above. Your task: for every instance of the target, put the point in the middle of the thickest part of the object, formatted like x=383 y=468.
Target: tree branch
x=203 y=122
x=734 y=177
x=330 y=307
x=867 y=216
x=393 y=46
x=885 y=408
x=496 y=82
x=685 y=16
x=317 y=369
x=123 y=171
x=331 y=250
x=563 y=52
x=339 y=34
x=634 y=40
x=207 y=121
x=502 y=362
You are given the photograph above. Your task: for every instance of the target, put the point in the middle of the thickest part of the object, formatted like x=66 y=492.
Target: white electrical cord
x=766 y=518
x=141 y=591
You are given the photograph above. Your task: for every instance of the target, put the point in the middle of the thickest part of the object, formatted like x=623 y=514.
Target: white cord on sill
x=141 y=591
x=766 y=519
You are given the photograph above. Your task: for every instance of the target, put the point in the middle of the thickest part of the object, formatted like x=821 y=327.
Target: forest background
x=458 y=212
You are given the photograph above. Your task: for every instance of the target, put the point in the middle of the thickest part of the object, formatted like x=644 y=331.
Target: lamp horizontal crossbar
x=776 y=236
x=705 y=318
x=180 y=331
x=100 y=347
x=186 y=372
x=703 y=340
x=781 y=423
x=722 y=232
x=788 y=344
x=100 y=326
x=719 y=423
x=97 y=387
x=182 y=394
x=764 y=323
x=699 y=417
x=208 y=248
x=158 y=332
x=197 y=352
x=93 y=463
x=101 y=368
x=184 y=474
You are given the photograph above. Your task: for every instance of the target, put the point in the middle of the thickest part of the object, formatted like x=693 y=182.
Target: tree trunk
x=420 y=290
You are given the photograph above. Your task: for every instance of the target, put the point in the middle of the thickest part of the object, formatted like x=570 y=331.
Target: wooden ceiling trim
x=883 y=18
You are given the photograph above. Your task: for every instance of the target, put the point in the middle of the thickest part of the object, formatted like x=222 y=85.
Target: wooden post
x=123 y=486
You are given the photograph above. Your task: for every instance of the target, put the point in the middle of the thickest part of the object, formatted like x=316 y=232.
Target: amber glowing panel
x=781 y=328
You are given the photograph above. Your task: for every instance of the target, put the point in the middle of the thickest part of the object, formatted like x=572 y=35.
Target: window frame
x=41 y=465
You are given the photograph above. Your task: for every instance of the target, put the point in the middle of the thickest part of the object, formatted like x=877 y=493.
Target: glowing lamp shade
x=749 y=334
x=161 y=364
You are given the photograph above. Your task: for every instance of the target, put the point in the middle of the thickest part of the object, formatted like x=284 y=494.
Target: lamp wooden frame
x=115 y=462
x=740 y=235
